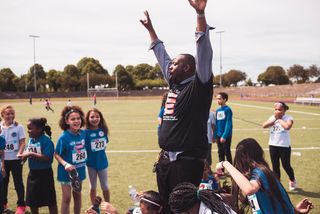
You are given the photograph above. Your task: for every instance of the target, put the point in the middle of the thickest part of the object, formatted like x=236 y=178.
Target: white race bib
x=98 y=144
x=253 y=201
x=79 y=156
x=12 y=146
x=221 y=115
x=137 y=210
x=277 y=128
x=205 y=186
x=34 y=147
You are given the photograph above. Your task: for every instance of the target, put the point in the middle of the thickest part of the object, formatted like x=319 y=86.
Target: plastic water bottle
x=96 y=204
x=133 y=195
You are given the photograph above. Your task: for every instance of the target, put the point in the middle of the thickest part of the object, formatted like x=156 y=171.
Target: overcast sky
x=258 y=33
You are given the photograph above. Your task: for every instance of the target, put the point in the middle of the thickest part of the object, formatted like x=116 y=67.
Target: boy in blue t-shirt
x=223 y=131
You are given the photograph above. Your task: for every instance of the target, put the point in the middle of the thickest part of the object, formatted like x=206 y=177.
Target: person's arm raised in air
x=157 y=46
x=204 y=50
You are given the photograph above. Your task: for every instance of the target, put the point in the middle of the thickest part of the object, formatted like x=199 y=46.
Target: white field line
x=240 y=129
x=261 y=107
x=213 y=150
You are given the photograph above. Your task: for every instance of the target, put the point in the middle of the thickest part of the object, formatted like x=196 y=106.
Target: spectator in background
x=47 y=105
x=94 y=99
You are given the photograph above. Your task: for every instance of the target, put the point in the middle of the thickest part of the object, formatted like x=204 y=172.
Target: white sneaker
x=292 y=185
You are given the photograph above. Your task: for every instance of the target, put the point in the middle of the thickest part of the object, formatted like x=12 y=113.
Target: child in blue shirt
x=208 y=180
x=96 y=142
x=256 y=185
x=71 y=154
x=39 y=151
x=223 y=131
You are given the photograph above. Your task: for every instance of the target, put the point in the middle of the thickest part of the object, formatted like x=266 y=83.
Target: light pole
x=220 y=32
x=34 y=61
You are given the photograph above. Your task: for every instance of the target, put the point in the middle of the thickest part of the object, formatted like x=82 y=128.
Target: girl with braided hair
x=186 y=197
x=39 y=152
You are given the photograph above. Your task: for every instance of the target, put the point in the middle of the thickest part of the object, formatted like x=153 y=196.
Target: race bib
x=98 y=144
x=205 y=186
x=12 y=146
x=277 y=128
x=221 y=115
x=34 y=147
x=253 y=201
x=137 y=210
x=79 y=156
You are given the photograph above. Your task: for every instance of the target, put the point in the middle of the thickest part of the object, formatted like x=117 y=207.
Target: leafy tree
x=149 y=83
x=7 y=80
x=249 y=82
x=129 y=69
x=96 y=79
x=313 y=71
x=22 y=83
x=40 y=77
x=216 y=80
x=55 y=80
x=298 y=73
x=233 y=77
x=70 y=78
x=70 y=83
x=125 y=80
x=156 y=72
x=274 y=75
x=90 y=65
x=142 y=72
x=72 y=70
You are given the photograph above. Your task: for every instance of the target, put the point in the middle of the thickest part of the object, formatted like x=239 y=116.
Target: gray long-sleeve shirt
x=183 y=129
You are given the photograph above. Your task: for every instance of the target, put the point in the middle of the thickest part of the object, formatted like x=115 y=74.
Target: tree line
x=74 y=77
x=272 y=75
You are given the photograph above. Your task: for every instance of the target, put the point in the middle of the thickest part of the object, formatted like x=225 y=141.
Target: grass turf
x=132 y=124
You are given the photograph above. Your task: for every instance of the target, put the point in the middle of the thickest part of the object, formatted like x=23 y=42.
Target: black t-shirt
x=184 y=124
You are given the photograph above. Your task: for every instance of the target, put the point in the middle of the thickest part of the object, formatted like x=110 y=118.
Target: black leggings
x=14 y=167
x=283 y=153
x=224 y=150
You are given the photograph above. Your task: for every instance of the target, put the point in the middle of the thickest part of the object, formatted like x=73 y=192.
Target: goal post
x=102 y=90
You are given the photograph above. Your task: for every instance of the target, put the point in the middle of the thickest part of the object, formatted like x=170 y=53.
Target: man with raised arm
x=183 y=132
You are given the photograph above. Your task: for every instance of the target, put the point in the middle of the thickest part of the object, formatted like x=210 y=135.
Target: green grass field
x=133 y=124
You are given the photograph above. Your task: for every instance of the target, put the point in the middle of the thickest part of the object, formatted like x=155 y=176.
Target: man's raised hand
x=198 y=5
x=148 y=25
x=147 y=21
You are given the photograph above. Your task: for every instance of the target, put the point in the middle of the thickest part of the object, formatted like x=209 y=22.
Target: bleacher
x=287 y=93
x=307 y=100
